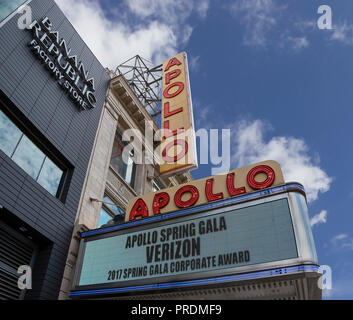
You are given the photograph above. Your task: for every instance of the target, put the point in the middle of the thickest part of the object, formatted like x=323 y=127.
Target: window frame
x=156 y=183
x=32 y=133
x=132 y=183
x=106 y=208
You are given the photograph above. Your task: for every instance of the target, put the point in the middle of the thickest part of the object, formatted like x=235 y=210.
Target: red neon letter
x=171 y=75
x=184 y=204
x=168 y=113
x=208 y=190
x=230 y=186
x=138 y=210
x=180 y=86
x=184 y=150
x=160 y=200
x=172 y=62
x=261 y=169
x=167 y=133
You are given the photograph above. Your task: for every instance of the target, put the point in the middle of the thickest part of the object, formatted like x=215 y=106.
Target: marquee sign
x=249 y=237
x=178 y=145
x=64 y=66
x=223 y=239
x=237 y=182
x=247 y=224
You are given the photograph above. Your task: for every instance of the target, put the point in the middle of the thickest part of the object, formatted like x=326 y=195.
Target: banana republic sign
x=70 y=73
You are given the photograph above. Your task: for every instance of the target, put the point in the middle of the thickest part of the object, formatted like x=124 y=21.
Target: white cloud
x=292 y=154
x=343 y=32
x=298 y=43
x=339 y=237
x=259 y=17
x=202 y=8
x=185 y=36
x=194 y=63
x=295 y=43
x=159 y=27
x=343 y=241
x=203 y=114
x=305 y=25
x=348 y=244
x=319 y=218
x=263 y=21
x=168 y=10
x=173 y=14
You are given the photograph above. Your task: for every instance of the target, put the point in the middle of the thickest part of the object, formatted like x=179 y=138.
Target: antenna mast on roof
x=145 y=81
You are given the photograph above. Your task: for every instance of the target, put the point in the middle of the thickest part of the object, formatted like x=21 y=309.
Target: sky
x=264 y=70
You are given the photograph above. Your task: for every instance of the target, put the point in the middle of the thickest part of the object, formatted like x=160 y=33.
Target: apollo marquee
x=245 y=225
x=64 y=66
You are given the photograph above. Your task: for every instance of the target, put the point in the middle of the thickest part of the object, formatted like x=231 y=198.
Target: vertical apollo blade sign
x=178 y=144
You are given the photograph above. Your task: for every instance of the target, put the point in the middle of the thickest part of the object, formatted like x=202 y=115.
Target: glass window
x=9 y=135
x=9 y=6
x=104 y=217
x=110 y=210
x=28 y=156
x=117 y=158
x=156 y=185
x=50 y=176
x=109 y=203
x=125 y=167
x=130 y=172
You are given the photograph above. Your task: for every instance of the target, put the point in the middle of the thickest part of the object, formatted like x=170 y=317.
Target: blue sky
x=263 y=69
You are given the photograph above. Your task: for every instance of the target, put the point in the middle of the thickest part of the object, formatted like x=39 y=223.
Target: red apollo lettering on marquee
x=230 y=186
x=260 y=169
x=160 y=200
x=138 y=210
x=209 y=193
x=193 y=199
x=181 y=154
x=172 y=62
x=168 y=95
x=172 y=75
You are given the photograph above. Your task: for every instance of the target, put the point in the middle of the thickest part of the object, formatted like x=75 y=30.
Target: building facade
x=112 y=181
x=52 y=92
x=68 y=170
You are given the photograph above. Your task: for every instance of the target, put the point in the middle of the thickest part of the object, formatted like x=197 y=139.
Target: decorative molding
x=115 y=196
x=113 y=111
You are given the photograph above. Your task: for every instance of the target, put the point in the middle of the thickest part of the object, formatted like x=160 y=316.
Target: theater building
x=241 y=235
x=69 y=193
x=112 y=182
